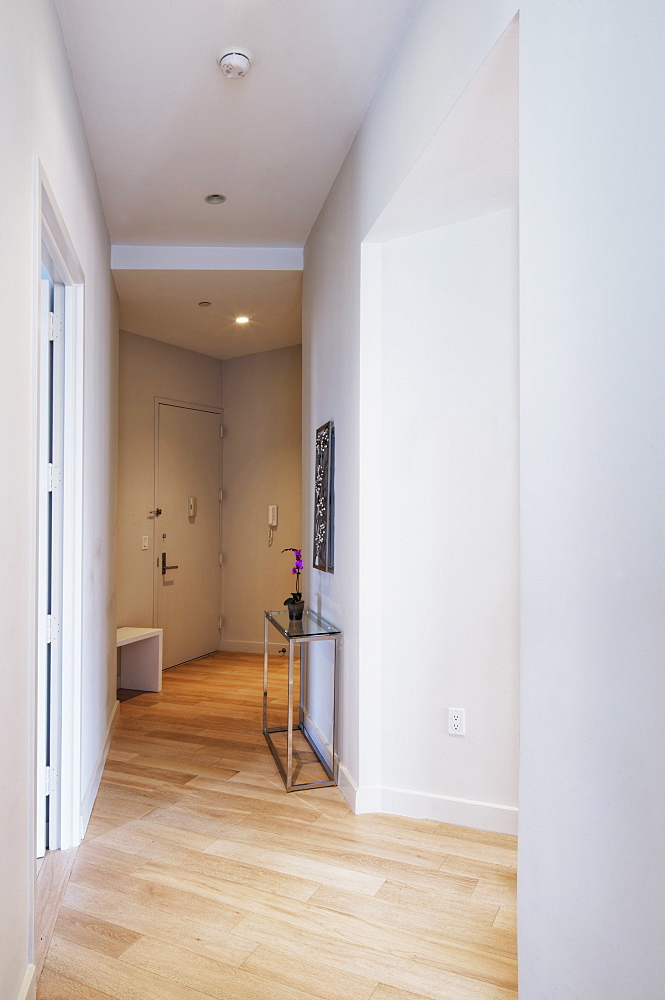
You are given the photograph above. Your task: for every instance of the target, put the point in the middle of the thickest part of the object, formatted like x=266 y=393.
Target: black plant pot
x=295 y=611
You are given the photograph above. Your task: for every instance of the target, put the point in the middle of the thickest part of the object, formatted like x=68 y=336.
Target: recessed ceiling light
x=204 y=303
x=242 y=319
x=215 y=199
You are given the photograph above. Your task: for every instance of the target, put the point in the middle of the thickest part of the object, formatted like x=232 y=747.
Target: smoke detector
x=235 y=63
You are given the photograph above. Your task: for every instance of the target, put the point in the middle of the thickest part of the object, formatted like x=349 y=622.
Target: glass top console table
x=299 y=633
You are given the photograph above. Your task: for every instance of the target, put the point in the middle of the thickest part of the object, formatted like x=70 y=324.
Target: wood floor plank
x=171 y=928
x=291 y=864
x=114 y=977
x=182 y=858
x=506 y=918
x=443 y=925
x=54 y=986
x=360 y=959
x=169 y=898
x=223 y=982
x=326 y=982
x=95 y=932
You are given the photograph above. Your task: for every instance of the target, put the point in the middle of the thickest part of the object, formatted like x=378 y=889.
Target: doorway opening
x=439 y=366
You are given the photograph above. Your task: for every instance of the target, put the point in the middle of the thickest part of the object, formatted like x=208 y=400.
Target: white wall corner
x=93 y=786
x=347 y=786
x=28 y=990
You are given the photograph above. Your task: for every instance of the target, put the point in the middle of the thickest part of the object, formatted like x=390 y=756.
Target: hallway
x=199 y=877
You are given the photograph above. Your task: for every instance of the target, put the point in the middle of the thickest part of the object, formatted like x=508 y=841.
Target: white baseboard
x=28 y=989
x=237 y=646
x=93 y=786
x=445 y=809
x=317 y=737
x=422 y=805
x=361 y=800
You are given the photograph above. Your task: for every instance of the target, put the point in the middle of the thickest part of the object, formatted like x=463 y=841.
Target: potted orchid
x=295 y=603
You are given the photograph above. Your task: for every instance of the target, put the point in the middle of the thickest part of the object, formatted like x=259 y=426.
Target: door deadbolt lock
x=155 y=513
x=164 y=566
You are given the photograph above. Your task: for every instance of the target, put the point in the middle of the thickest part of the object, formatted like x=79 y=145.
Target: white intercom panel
x=272 y=515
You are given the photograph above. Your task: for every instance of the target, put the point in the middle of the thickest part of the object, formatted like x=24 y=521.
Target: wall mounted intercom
x=272 y=520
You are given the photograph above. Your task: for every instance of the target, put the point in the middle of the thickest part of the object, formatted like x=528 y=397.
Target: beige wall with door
x=148 y=368
x=262 y=465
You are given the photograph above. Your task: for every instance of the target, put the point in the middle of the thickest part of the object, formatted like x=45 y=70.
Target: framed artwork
x=324 y=499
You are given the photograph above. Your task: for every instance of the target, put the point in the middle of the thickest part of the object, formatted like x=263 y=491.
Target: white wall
x=438 y=56
x=148 y=368
x=39 y=118
x=592 y=794
x=449 y=522
x=592 y=797
x=262 y=465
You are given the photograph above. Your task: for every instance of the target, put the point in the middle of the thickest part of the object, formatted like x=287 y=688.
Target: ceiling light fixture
x=204 y=303
x=215 y=199
x=242 y=319
x=235 y=63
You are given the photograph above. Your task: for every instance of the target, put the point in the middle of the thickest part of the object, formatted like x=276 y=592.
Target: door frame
x=159 y=401
x=51 y=236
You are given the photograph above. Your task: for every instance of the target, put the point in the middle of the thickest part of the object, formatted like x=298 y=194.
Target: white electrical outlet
x=456 y=722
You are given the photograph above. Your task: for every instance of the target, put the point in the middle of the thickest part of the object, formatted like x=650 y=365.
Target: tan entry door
x=187 y=532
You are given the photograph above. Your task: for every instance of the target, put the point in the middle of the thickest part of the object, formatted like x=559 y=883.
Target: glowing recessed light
x=204 y=303
x=215 y=199
x=242 y=319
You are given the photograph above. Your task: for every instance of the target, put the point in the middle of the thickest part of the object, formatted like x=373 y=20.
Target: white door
x=187 y=531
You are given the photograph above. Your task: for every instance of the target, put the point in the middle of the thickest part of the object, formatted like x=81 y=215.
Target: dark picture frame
x=324 y=499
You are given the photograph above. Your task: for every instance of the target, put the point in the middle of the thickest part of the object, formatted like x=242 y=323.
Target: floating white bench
x=140 y=655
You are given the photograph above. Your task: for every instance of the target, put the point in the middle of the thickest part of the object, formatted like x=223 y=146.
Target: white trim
x=93 y=786
x=361 y=800
x=52 y=233
x=28 y=990
x=446 y=809
x=317 y=737
x=423 y=805
x=182 y=258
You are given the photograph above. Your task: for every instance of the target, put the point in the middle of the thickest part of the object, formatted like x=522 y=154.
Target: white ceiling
x=166 y=127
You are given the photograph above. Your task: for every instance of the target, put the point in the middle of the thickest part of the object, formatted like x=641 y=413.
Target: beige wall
x=261 y=396
x=148 y=368
x=262 y=465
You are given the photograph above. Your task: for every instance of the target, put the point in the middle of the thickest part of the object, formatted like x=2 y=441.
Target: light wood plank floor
x=201 y=878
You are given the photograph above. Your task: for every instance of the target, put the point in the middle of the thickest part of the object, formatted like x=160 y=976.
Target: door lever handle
x=164 y=566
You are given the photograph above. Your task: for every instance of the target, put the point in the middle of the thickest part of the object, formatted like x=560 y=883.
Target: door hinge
x=52 y=477
x=221 y=430
x=221 y=558
x=220 y=622
x=54 y=326
x=47 y=781
x=221 y=495
x=52 y=627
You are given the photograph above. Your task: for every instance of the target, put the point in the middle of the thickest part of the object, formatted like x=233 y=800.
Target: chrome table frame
x=299 y=634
